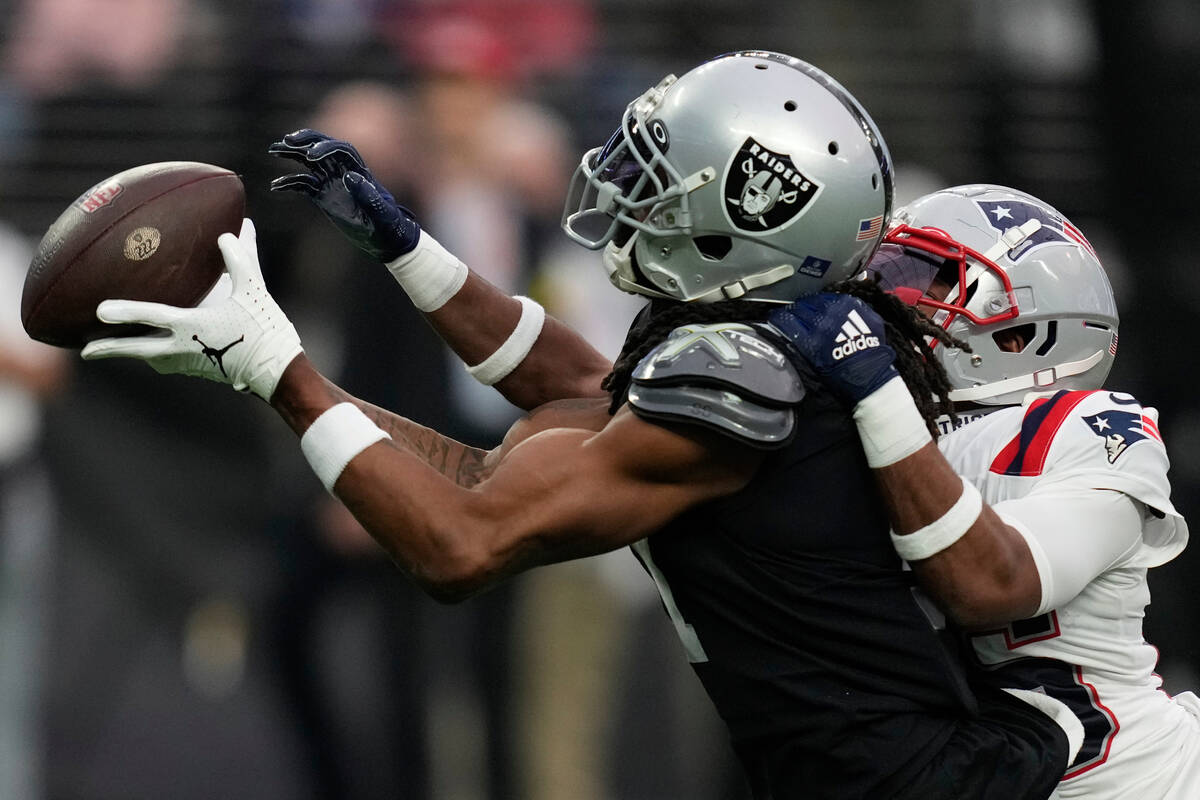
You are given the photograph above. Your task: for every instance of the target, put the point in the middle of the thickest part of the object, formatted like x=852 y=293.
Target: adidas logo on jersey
x=854 y=336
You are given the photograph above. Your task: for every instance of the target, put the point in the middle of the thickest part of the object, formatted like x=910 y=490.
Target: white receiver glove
x=237 y=335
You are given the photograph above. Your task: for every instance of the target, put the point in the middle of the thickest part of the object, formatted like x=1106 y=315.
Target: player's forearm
x=304 y=394
x=409 y=492
x=987 y=576
x=480 y=318
x=506 y=342
x=422 y=519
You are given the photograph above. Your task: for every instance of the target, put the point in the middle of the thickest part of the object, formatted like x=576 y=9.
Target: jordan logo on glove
x=214 y=355
x=855 y=336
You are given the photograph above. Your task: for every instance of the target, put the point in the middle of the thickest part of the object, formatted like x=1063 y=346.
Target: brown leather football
x=148 y=233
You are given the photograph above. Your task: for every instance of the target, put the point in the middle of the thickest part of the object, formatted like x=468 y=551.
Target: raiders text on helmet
x=754 y=175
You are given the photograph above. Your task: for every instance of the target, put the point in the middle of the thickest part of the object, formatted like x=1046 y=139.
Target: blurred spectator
x=364 y=711
x=485 y=169
x=58 y=44
x=155 y=681
x=490 y=187
x=29 y=373
x=513 y=40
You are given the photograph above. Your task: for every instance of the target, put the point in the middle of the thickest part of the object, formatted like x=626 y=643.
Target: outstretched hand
x=843 y=338
x=237 y=335
x=340 y=184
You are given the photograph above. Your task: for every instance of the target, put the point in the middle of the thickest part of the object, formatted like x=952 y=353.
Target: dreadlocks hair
x=906 y=330
x=642 y=340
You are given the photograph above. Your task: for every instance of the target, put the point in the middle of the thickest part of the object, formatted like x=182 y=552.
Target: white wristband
x=889 y=424
x=944 y=531
x=429 y=273
x=336 y=437
x=509 y=355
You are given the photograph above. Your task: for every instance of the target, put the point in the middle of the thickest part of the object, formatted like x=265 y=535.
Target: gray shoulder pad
x=726 y=376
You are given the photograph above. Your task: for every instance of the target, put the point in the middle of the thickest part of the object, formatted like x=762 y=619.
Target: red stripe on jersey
x=1150 y=428
x=1025 y=455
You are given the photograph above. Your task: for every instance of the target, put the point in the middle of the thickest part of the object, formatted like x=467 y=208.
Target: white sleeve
x=1074 y=535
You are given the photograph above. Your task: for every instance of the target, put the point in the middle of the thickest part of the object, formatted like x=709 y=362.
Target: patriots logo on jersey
x=1005 y=214
x=1120 y=430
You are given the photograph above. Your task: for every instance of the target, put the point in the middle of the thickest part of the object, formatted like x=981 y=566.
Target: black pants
x=1009 y=751
x=1000 y=755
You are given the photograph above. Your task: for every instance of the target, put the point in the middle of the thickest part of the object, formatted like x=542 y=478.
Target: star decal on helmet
x=1012 y=213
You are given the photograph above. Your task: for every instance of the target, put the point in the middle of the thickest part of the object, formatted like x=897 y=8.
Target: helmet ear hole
x=713 y=247
x=1018 y=337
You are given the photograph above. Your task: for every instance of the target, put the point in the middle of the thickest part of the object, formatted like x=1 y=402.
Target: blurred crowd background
x=184 y=613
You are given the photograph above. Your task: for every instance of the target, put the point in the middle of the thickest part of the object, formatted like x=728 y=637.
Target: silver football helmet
x=755 y=175
x=1014 y=265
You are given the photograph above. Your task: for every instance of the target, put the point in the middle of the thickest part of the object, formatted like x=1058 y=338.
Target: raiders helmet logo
x=764 y=190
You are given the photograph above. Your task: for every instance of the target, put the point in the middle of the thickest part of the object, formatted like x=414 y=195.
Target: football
x=148 y=233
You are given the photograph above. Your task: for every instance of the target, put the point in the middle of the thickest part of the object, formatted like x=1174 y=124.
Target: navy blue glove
x=843 y=338
x=340 y=184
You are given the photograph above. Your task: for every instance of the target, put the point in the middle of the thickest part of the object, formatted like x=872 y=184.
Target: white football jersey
x=1089 y=652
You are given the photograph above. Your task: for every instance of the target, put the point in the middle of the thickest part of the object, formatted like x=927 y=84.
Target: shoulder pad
x=726 y=376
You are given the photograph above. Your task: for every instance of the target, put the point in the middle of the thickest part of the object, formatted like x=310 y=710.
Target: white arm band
x=429 y=273
x=889 y=424
x=944 y=531
x=509 y=355
x=335 y=437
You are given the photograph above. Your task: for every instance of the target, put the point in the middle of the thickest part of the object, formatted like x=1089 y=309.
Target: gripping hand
x=340 y=184
x=237 y=335
x=843 y=338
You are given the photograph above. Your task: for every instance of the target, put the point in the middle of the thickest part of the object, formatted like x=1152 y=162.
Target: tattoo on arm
x=463 y=464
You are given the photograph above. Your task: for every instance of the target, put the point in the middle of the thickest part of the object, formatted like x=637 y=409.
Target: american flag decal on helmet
x=869 y=228
x=1112 y=346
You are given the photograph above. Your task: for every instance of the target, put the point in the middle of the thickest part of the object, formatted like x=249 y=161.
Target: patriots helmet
x=1013 y=264
x=755 y=175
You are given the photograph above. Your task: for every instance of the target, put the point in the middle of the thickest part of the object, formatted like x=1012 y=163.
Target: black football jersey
x=805 y=630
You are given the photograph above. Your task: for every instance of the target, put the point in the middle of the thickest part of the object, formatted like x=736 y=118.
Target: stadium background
x=181 y=615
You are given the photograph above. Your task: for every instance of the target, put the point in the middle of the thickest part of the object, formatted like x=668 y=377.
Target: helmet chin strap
x=618 y=261
x=1042 y=379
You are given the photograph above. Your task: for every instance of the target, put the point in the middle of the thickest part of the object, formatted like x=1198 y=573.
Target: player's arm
x=479 y=319
x=463 y=464
x=508 y=342
x=1049 y=544
x=985 y=575
x=548 y=493
x=555 y=494
x=975 y=566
